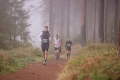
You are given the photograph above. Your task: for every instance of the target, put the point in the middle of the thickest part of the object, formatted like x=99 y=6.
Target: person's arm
x=40 y=37
x=54 y=41
x=50 y=39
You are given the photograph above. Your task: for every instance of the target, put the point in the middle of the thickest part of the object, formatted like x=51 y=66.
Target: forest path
x=38 y=71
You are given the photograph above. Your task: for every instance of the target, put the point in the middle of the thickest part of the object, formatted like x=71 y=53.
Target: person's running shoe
x=44 y=63
x=56 y=57
x=67 y=55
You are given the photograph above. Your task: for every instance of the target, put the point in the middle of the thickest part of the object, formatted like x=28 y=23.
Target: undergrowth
x=94 y=62
x=12 y=60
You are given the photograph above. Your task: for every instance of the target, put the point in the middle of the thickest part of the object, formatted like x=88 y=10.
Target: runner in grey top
x=45 y=39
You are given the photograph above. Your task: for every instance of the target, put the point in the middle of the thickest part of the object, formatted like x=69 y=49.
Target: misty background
x=35 y=20
x=83 y=21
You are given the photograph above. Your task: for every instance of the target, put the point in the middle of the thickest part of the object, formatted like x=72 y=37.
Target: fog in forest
x=84 y=21
x=35 y=20
x=59 y=39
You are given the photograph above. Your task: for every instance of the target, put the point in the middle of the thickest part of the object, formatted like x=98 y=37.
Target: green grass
x=94 y=62
x=12 y=60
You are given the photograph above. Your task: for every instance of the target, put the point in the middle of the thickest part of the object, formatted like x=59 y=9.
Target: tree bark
x=101 y=21
x=105 y=21
x=51 y=18
x=94 y=21
x=68 y=18
x=62 y=19
x=116 y=22
x=119 y=34
x=83 y=27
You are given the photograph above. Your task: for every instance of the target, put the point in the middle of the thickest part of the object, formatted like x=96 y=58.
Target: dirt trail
x=37 y=71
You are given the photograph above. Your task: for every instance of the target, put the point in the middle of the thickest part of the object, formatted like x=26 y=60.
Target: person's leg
x=43 y=50
x=67 y=53
x=55 y=51
x=46 y=53
x=57 y=54
x=45 y=56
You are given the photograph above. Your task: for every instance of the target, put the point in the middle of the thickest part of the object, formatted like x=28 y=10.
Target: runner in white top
x=56 y=46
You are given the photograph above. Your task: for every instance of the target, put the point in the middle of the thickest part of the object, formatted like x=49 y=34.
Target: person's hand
x=40 y=41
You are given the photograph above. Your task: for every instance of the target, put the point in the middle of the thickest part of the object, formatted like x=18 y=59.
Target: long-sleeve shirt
x=40 y=37
x=68 y=44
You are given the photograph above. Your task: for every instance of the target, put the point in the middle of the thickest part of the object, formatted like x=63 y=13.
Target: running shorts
x=45 y=47
x=69 y=48
x=56 y=48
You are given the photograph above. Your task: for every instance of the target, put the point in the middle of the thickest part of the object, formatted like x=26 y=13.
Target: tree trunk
x=118 y=52
x=94 y=21
x=51 y=18
x=119 y=35
x=68 y=18
x=62 y=20
x=101 y=21
x=10 y=32
x=116 y=21
x=105 y=21
x=83 y=27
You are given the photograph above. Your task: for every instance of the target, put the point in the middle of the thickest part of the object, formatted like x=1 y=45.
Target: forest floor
x=37 y=71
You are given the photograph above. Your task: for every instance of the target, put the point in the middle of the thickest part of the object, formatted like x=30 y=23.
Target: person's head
x=46 y=28
x=57 y=36
x=68 y=39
